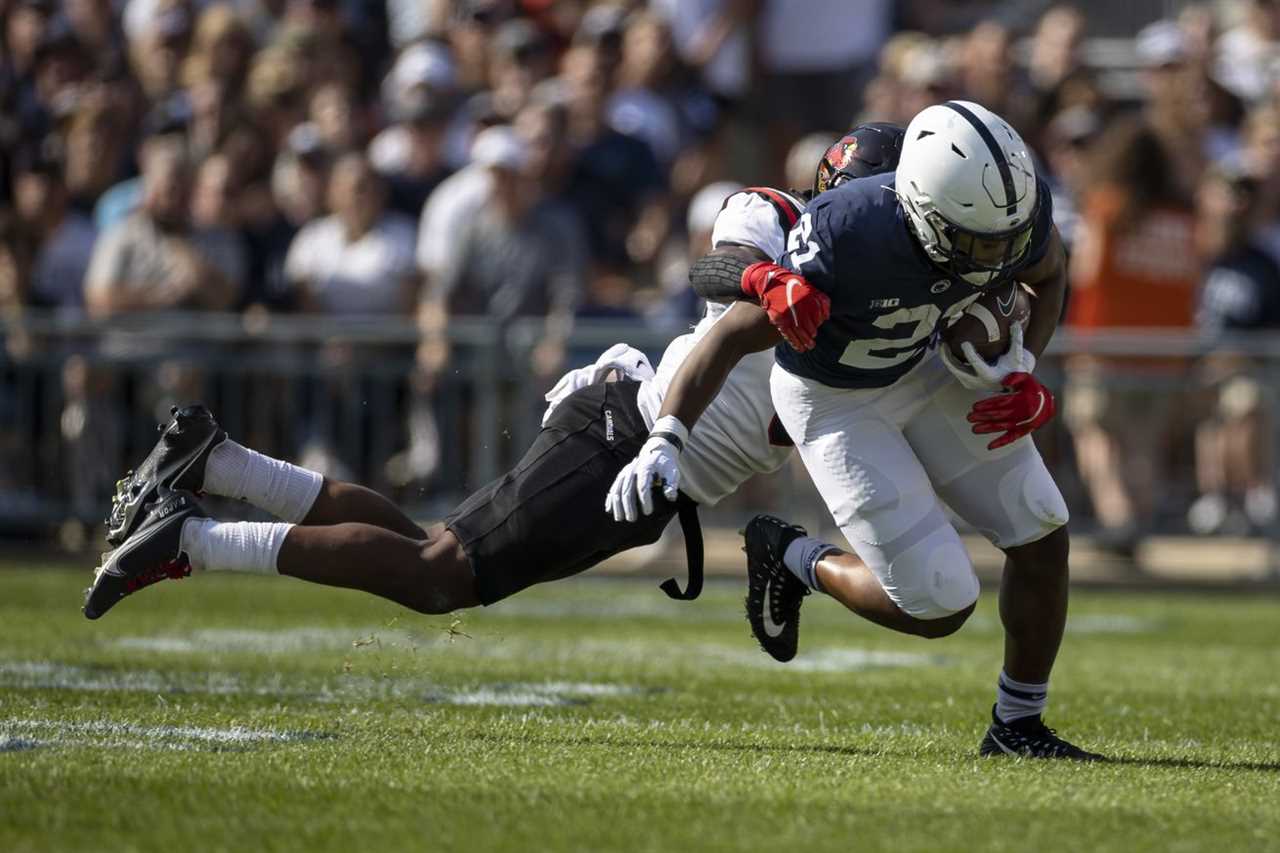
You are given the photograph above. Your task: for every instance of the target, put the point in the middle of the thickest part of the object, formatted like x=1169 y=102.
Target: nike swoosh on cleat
x=771 y=629
x=1006 y=750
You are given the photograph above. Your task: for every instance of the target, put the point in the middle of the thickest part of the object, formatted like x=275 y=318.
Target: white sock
x=802 y=557
x=233 y=546
x=1018 y=699
x=281 y=488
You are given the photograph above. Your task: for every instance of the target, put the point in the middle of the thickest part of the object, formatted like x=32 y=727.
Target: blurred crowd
x=565 y=159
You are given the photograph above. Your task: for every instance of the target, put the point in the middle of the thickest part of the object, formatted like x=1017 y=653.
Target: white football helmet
x=968 y=186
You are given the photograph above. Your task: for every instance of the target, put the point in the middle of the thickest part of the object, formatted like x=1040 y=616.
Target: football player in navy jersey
x=890 y=426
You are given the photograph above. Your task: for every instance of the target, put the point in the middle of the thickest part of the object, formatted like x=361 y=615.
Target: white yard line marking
x=29 y=733
x=32 y=675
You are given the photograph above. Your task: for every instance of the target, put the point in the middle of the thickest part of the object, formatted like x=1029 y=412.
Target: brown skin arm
x=1048 y=280
x=744 y=329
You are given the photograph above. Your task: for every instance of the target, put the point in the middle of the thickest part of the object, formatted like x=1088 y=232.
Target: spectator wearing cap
x=1235 y=445
x=62 y=239
x=427 y=67
x=359 y=258
x=522 y=255
x=154 y=260
x=411 y=154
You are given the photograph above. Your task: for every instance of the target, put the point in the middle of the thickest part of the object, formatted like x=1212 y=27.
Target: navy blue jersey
x=887 y=297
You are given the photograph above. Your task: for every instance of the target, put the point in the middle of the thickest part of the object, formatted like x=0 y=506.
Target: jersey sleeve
x=748 y=219
x=811 y=248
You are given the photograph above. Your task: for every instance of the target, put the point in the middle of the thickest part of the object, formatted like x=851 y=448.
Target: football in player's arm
x=1020 y=403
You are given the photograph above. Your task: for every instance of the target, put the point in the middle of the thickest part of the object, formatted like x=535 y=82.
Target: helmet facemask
x=978 y=257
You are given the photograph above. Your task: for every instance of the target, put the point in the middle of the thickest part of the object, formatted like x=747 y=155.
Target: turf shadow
x=1196 y=764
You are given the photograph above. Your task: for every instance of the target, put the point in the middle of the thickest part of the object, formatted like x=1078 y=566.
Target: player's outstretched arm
x=744 y=329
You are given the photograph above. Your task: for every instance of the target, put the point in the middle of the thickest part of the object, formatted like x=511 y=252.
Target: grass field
x=246 y=714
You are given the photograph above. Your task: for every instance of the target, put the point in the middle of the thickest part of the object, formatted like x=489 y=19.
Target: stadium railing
x=79 y=401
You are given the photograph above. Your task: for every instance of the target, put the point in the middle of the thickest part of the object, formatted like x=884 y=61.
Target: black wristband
x=676 y=441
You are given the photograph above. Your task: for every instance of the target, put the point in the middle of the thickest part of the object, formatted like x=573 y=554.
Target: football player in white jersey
x=536 y=523
x=889 y=425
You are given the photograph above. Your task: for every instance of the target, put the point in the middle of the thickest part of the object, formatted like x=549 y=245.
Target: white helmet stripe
x=1002 y=164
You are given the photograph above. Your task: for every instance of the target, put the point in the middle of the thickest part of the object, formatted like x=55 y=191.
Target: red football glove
x=795 y=307
x=1023 y=407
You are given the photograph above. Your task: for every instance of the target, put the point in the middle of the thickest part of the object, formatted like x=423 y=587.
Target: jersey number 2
x=799 y=239
x=859 y=353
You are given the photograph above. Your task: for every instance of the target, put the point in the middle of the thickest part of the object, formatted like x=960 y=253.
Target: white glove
x=985 y=376
x=656 y=465
x=627 y=360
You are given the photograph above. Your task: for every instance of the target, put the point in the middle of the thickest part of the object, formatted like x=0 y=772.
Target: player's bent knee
x=446 y=582
x=943 y=626
x=934 y=579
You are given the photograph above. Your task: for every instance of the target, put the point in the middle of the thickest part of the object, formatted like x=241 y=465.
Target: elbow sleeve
x=718 y=277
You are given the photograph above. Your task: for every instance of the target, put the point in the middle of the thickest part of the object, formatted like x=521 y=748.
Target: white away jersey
x=730 y=442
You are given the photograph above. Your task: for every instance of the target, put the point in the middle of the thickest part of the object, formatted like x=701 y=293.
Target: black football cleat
x=176 y=462
x=152 y=554
x=1029 y=737
x=774 y=594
